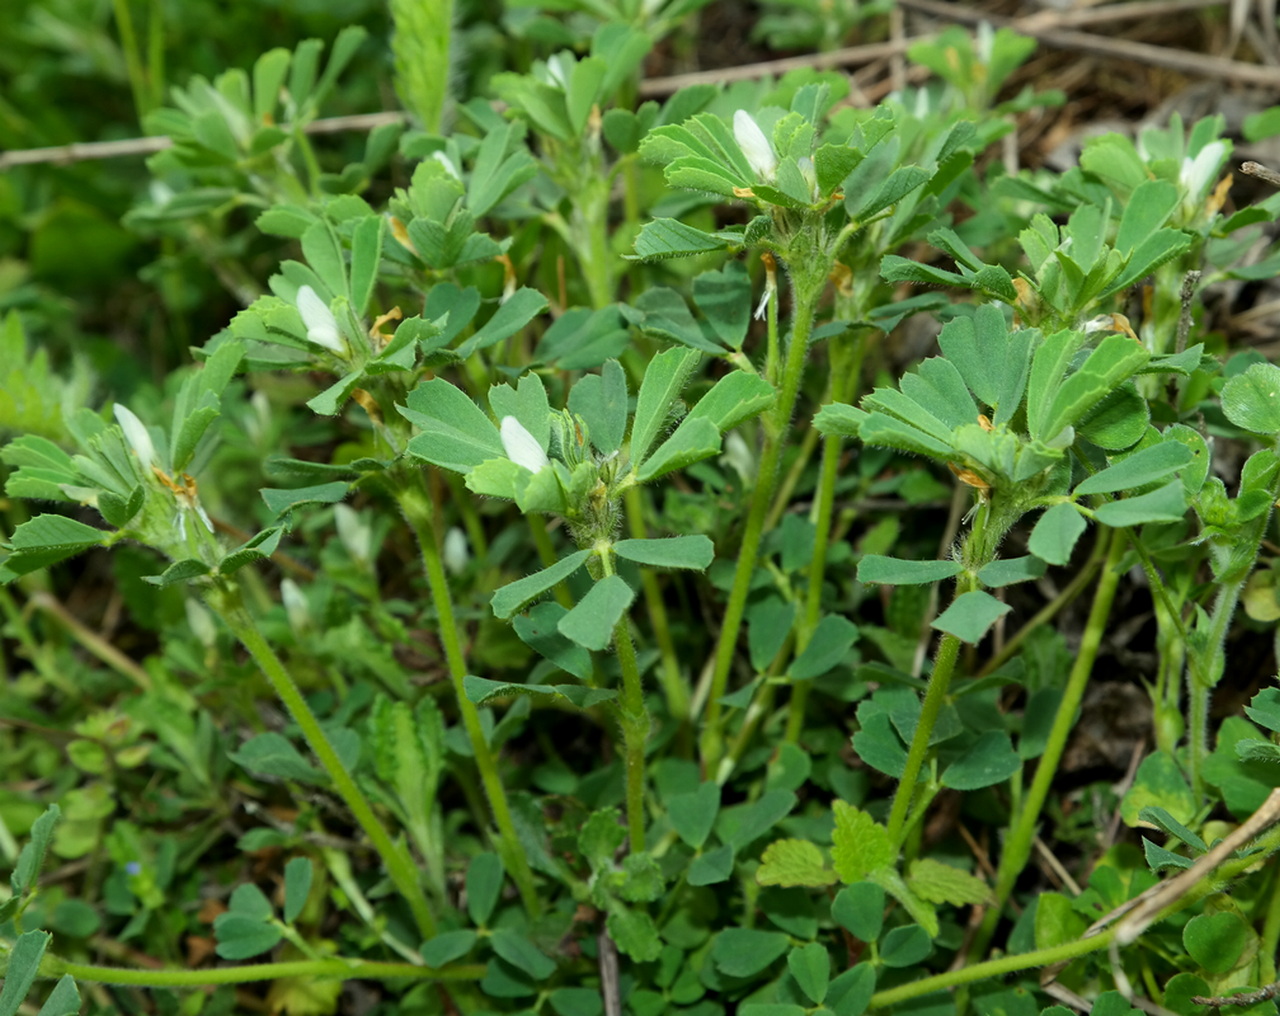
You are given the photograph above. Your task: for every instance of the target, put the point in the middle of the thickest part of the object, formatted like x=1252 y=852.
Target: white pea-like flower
x=201 y=623
x=985 y=43
x=322 y=326
x=1197 y=173
x=354 y=532
x=447 y=163
x=296 y=607
x=810 y=174
x=755 y=146
x=558 y=71
x=739 y=456
x=455 y=553
x=136 y=433
x=521 y=446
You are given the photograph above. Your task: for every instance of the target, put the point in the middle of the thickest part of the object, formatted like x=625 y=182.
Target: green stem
x=228 y=605
x=1070 y=591
x=589 y=226
x=846 y=366
x=673 y=686
x=155 y=55
x=992 y=968
x=132 y=58
x=634 y=720
x=1208 y=885
x=416 y=505
x=1270 y=939
x=1021 y=837
x=944 y=664
x=1207 y=660
x=806 y=299
x=791 y=480
x=1206 y=667
x=347 y=970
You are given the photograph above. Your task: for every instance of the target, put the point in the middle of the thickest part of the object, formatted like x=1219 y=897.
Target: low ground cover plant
x=552 y=591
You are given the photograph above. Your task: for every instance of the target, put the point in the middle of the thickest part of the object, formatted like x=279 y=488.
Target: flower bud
x=447 y=163
x=521 y=446
x=295 y=606
x=322 y=326
x=455 y=553
x=755 y=146
x=200 y=621
x=354 y=532
x=136 y=433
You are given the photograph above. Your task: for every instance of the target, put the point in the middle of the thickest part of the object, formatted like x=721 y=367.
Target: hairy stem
x=846 y=366
x=806 y=298
x=673 y=686
x=400 y=867
x=1018 y=846
x=944 y=665
x=416 y=506
x=634 y=720
x=347 y=970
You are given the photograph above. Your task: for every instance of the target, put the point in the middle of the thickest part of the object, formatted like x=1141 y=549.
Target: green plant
x=523 y=625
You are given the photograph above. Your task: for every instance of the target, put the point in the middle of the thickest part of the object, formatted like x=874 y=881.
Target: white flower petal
x=354 y=532
x=455 y=553
x=762 y=308
x=755 y=146
x=558 y=70
x=201 y=623
x=738 y=454
x=322 y=326
x=521 y=446
x=1198 y=172
x=204 y=516
x=447 y=163
x=984 y=44
x=136 y=433
x=296 y=607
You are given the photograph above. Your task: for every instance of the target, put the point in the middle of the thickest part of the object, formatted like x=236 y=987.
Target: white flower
x=1197 y=173
x=738 y=455
x=455 y=552
x=755 y=146
x=136 y=433
x=355 y=534
x=447 y=163
x=201 y=623
x=521 y=446
x=322 y=326
x=558 y=71
x=984 y=44
x=295 y=605
x=805 y=165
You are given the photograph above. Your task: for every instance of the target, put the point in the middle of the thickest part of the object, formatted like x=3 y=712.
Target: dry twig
x=1261 y=172
x=1248 y=998
x=1200 y=65
x=89 y=150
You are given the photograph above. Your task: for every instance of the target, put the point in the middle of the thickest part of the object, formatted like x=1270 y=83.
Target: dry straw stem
x=1248 y=998
x=1043 y=27
x=1261 y=172
x=1139 y=913
x=1143 y=910
x=1047 y=26
x=89 y=150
